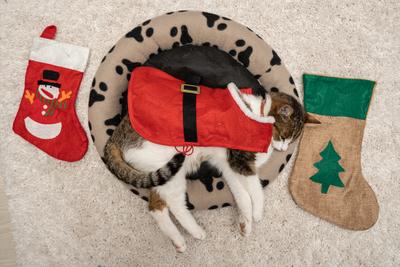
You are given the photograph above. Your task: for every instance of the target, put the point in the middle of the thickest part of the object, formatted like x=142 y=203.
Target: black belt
x=190 y=90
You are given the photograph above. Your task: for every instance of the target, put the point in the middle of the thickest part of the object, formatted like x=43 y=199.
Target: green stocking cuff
x=332 y=96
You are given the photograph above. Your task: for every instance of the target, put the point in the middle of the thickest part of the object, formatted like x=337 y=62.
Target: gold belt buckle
x=190 y=89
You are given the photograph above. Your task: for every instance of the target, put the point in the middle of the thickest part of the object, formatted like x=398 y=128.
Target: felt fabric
x=156 y=102
x=46 y=116
x=176 y=30
x=327 y=179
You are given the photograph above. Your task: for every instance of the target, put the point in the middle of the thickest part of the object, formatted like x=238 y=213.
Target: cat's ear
x=311 y=119
x=285 y=112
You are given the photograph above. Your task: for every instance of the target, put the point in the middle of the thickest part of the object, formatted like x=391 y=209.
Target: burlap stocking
x=326 y=179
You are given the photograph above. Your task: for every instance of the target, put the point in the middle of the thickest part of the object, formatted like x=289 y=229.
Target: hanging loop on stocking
x=49 y=32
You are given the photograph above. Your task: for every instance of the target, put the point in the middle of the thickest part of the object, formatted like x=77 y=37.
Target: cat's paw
x=199 y=234
x=280 y=145
x=258 y=214
x=244 y=226
x=180 y=246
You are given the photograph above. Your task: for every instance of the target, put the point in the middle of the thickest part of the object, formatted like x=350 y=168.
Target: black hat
x=50 y=76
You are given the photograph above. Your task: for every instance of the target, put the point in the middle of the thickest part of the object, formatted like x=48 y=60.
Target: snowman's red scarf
x=52 y=104
x=161 y=113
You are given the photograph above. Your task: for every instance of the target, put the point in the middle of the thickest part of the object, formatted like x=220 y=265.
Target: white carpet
x=77 y=214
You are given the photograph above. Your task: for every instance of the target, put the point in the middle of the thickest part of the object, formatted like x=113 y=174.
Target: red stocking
x=46 y=116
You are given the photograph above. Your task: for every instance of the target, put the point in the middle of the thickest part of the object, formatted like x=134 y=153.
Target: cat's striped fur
x=144 y=164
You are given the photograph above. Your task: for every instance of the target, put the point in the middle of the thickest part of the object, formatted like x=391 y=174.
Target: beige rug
x=7 y=246
x=77 y=214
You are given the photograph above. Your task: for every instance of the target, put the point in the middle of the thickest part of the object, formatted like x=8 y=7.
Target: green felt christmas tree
x=328 y=169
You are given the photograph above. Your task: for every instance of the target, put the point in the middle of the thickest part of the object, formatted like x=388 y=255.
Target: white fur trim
x=42 y=131
x=234 y=91
x=60 y=54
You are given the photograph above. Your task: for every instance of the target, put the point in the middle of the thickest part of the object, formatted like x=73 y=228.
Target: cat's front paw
x=199 y=234
x=280 y=145
x=257 y=213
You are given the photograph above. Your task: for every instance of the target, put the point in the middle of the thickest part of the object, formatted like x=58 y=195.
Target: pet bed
x=107 y=102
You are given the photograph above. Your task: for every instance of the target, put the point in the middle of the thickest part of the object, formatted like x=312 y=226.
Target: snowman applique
x=46 y=101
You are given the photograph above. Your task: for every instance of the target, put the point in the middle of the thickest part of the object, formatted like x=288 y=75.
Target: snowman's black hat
x=49 y=78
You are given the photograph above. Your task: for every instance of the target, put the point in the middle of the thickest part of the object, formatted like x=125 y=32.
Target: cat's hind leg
x=174 y=193
x=159 y=211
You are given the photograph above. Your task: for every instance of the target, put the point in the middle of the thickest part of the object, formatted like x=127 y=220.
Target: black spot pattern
x=128 y=77
x=268 y=70
x=185 y=36
x=274 y=89
x=175 y=44
x=94 y=82
x=295 y=92
x=213 y=207
x=189 y=205
x=220 y=185
x=112 y=49
x=173 y=32
x=124 y=103
x=281 y=167
x=169 y=13
x=95 y=97
x=232 y=52
x=240 y=42
x=119 y=70
x=90 y=126
x=211 y=18
x=181 y=11
x=149 y=32
x=103 y=86
x=135 y=33
x=146 y=22
x=110 y=132
x=226 y=205
x=93 y=139
x=114 y=121
x=291 y=80
x=276 y=60
x=288 y=157
x=130 y=65
x=257 y=76
x=221 y=26
x=225 y=18
x=244 y=56
x=264 y=183
x=206 y=44
x=135 y=191
x=145 y=198
x=206 y=175
x=104 y=58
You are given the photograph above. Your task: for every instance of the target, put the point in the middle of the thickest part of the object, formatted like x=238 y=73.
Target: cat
x=141 y=163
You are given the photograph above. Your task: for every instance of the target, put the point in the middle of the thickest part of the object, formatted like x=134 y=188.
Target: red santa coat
x=156 y=111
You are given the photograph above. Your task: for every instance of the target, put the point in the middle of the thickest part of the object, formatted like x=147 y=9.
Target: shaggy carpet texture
x=78 y=214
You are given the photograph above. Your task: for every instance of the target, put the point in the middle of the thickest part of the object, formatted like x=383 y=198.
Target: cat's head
x=290 y=118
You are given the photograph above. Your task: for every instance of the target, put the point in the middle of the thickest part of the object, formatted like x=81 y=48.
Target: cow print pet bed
x=208 y=44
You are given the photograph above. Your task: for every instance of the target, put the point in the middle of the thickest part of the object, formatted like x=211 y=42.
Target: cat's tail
x=140 y=179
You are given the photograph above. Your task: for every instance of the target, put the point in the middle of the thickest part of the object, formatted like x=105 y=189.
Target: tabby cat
x=141 y=163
